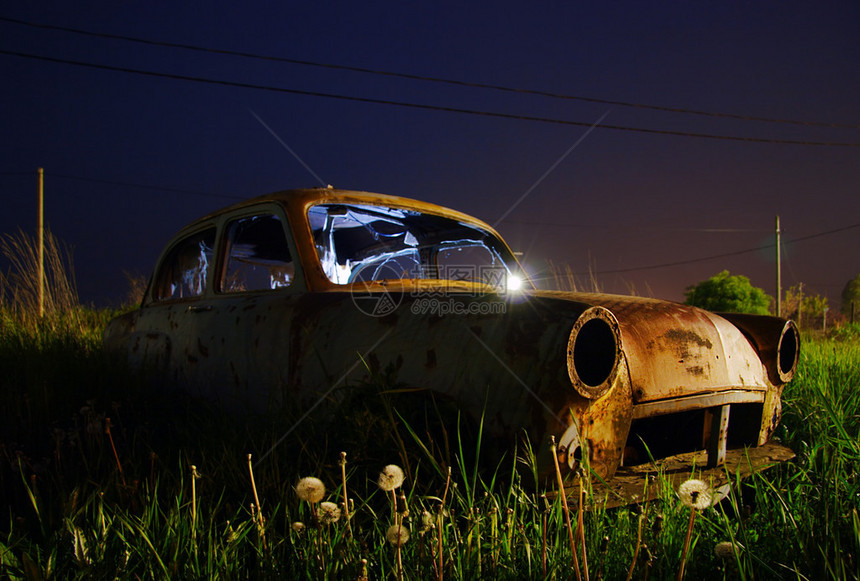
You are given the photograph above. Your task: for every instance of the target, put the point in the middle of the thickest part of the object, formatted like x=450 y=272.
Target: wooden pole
x=41 y=234
x=778 y=273
x=800 y=306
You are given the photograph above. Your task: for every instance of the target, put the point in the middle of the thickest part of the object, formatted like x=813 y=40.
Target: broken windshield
x=371 y=243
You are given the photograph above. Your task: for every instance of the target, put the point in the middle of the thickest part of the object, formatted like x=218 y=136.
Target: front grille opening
x=744 y=424
x=659 y=437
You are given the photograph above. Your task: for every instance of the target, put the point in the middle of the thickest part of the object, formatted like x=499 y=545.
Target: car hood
x=674 y=350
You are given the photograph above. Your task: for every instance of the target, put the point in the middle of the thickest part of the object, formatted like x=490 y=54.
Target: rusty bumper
x=645 y=482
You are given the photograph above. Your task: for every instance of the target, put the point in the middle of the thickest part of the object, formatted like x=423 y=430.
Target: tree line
x=725 y=292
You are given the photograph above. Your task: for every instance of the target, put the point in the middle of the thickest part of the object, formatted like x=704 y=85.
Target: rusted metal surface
x=693 y=402
x=716 y=434
x=646 y=482
x=579 y=367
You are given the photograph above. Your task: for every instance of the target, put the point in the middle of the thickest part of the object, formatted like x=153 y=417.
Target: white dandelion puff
x=696 y=494
x=329 y=513
x=310 y=489
x=390 y=478
x=725 y=550
x=397 y=535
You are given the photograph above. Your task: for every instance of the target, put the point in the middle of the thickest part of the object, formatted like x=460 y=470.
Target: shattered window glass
x=371 y=243
x=185 y=271
x=258 y=256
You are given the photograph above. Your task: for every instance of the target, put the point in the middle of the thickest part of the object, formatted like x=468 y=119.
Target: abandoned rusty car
x=277 y=300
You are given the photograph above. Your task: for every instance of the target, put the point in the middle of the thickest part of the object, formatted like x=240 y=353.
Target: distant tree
x=851 y=295
x=728 y=293
x=804 y=307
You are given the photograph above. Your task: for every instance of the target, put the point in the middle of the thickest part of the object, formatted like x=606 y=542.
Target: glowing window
x=185 y=271
x=366 y=243
x=258 y=256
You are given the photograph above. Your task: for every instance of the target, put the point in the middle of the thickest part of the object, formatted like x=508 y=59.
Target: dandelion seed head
x=298 y=527
x=390 y=478
x=397 y=535
x=310 y=489
x=329 y=513
x=724 y=550
x=695 y=494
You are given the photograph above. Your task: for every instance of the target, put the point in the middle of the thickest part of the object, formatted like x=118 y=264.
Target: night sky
x=130 y=158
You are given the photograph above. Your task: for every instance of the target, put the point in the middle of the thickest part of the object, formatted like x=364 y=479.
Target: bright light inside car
x=515 y=283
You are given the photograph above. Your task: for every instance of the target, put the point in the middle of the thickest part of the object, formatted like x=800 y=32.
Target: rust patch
x=683 y=339
x=204 y=350
x=686 y=336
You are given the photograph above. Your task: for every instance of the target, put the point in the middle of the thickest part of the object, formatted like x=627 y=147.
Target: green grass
x=79 y=502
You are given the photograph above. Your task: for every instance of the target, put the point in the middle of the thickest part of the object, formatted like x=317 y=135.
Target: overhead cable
x=425 y=107
x=724 y=255
x=426 y=78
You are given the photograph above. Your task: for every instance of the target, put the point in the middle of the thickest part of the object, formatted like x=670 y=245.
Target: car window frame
x=223 y=242
x=150 y=297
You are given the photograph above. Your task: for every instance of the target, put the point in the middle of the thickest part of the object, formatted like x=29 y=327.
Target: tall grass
x=84 y=502
x=19 y=287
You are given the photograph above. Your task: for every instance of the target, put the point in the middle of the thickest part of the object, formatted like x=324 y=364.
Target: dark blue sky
x=618 y=202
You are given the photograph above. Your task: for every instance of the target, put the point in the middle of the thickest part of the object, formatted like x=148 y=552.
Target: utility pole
x=41 y=234
x=778 y=273
x=799 y=305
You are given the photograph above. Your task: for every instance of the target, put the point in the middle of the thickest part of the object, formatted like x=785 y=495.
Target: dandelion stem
x=193 y=501
x=580 y=527
x=566 y=509
x=259 y=518
x=399 y=554
x=686 y=544
x=115 y=455
x=345 y=496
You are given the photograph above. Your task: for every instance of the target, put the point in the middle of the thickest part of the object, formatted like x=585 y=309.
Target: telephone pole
x=778 y=273
x=800 y=305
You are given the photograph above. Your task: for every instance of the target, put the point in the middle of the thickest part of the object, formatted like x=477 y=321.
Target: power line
x=592 y=226
x=820 y=234
x=425 y=78
x=144 y=186
x=715 y=256
x=422 y=106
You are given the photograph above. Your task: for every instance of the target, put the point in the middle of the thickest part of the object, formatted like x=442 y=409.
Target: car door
x=242 y=330
x=166 y=323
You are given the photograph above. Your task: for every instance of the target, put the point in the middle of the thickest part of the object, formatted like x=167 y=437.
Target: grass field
x=105 y=474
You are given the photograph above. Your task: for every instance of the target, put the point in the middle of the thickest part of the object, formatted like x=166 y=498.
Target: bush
x=728 y=293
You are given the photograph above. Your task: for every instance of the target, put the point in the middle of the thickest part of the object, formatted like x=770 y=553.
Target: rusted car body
x=278 y=300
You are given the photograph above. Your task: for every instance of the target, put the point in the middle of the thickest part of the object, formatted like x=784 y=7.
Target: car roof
x=299 y=200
